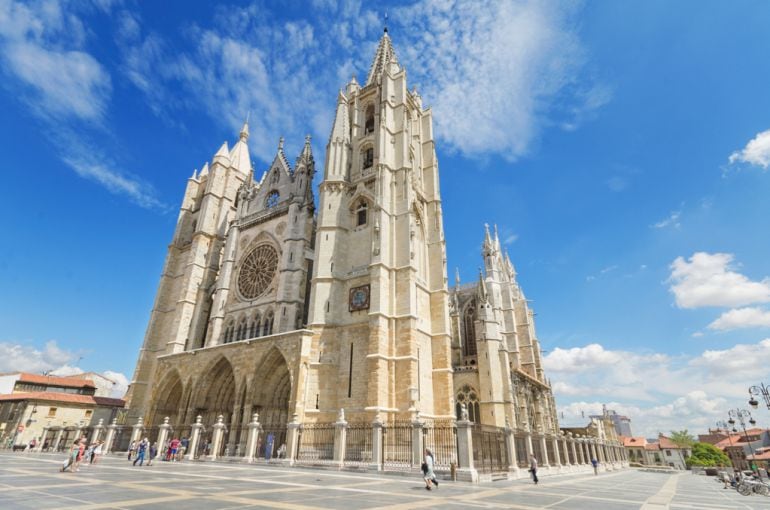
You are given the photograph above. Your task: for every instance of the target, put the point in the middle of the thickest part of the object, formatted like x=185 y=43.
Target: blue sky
x=622 y=148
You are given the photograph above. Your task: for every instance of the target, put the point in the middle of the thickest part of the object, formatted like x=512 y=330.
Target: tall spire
x=383 y=58
x=481 y=291
x=239 y=156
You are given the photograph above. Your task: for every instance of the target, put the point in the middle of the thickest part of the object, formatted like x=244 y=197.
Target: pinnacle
x=384 y=56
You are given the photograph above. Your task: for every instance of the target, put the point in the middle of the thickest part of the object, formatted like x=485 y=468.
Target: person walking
x=427 y=470
x=72 y=454
x=595 y=464
x=141 y=449
x=98 y=449
x=131 y=449
x=533 y=468
x=153 y=453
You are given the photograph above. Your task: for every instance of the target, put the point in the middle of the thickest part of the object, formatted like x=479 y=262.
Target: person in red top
x=173 y=448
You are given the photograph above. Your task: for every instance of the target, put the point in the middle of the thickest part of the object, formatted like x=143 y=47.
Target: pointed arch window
x=469 y=331
x=369 y=122
x=276 y=177
x=367 y=156
x=469 y=396
x=362 y=210
x=272 y=199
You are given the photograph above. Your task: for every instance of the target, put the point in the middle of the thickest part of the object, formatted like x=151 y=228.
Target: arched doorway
x=216 y=395
x=168 y=400
x=270 y=398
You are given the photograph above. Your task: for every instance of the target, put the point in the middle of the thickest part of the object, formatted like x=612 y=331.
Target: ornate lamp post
x=759 y=390
x=741 y=415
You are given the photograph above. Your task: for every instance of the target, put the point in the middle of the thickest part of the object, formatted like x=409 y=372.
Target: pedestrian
x=183 y=446
x=533 y=468
x=173 y=449
x=72 y=454
x=595 y=464
x=153 y=453
x=131 y=449
x=427 y=470
x=98 y=449
x=141 y=449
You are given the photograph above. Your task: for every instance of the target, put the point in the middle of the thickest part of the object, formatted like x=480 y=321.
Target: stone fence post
x=340 y=438
x=292 y=440
x=466 y=472
x=39 y=447
x=111 y=429
x=417 y=454
x=97 y=431
x=216 y=438
x=58 y=439
x=510 y=446
x=253 y=439
x=195 y=438
x=137 y=429
x=376 y=464
x=163 y=431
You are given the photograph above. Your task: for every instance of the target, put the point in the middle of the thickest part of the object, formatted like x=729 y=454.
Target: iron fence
x=537 y=447
x=397 y=446
x=550 y=451
x=271 y=438
x=490 y=455
x=521 y=450
x=316 y=442
x=358 y=444
x=440 y=437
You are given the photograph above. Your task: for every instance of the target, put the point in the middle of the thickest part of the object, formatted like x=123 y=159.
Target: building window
x=469 y=331
x=51 y=412
x=467 y=395
x=668 y=453
x=369 y=123
x=368 y=155
x=89 y=413
x=272 y=199
x=361 y=211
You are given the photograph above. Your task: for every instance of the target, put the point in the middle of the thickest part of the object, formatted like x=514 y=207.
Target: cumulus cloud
x=497 y=74
x=756 y=152
x=15 y=356
x=658 y=392
x=709 y=279
x=121 y=383
x=42 y=49
x=750 y=317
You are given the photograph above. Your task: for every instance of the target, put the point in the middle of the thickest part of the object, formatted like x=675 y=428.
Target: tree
x=704 y=454
x=682 y=438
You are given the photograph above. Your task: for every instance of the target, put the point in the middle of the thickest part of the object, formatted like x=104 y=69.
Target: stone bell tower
x=378 y=304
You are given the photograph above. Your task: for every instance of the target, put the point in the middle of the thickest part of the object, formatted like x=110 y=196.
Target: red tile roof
x=52 y=396
x=633 y=441
x=667 y=443
x=51 y=380
x=652 y=446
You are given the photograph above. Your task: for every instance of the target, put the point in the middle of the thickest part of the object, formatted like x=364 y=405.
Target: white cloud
x=121 y=383
x=658 y=392
x=756 y=152
x=671 y=221
x=496 y=74
x=708 y=279
x=63 y=82
x=750 y=317
x=15 y=356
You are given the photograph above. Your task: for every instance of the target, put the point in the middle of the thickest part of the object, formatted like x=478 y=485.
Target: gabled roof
x=51 y=380
x=668 y=444
x=52 y=396
x=638 y=442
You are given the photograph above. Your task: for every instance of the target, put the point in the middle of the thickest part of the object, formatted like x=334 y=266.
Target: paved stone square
x=34 y=481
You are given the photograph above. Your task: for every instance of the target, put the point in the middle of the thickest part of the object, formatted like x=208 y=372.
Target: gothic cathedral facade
x=278 y=302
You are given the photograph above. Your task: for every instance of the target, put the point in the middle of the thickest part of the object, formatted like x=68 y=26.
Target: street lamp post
x=741 y=415
x=762 y=390
x=724 y=425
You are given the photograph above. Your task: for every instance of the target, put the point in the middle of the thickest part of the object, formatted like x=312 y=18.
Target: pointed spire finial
x=482 y=290
x=280 y=144
x=385 y=29
x=457 y=277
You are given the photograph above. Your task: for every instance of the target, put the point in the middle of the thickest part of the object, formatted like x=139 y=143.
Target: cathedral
x=301 y=309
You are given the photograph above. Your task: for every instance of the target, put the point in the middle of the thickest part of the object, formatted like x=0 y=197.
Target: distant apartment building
x=621 y=423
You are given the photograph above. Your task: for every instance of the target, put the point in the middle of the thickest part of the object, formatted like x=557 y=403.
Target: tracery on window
x=469 y=331
x=272 y=199
x=469 y=396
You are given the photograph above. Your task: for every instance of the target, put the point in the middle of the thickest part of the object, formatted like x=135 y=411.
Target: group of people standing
x=172 y=451
x=82 y=453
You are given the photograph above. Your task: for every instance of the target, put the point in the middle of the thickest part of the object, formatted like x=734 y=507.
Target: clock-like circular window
x=257 y=271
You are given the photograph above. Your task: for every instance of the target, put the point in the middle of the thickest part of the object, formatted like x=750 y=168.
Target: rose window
x=257 y=271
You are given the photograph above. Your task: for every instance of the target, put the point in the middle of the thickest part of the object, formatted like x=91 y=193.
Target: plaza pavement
x=34 y=481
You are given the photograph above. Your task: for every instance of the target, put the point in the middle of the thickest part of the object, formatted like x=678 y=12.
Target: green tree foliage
x=704 y=454
x=682 y=438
